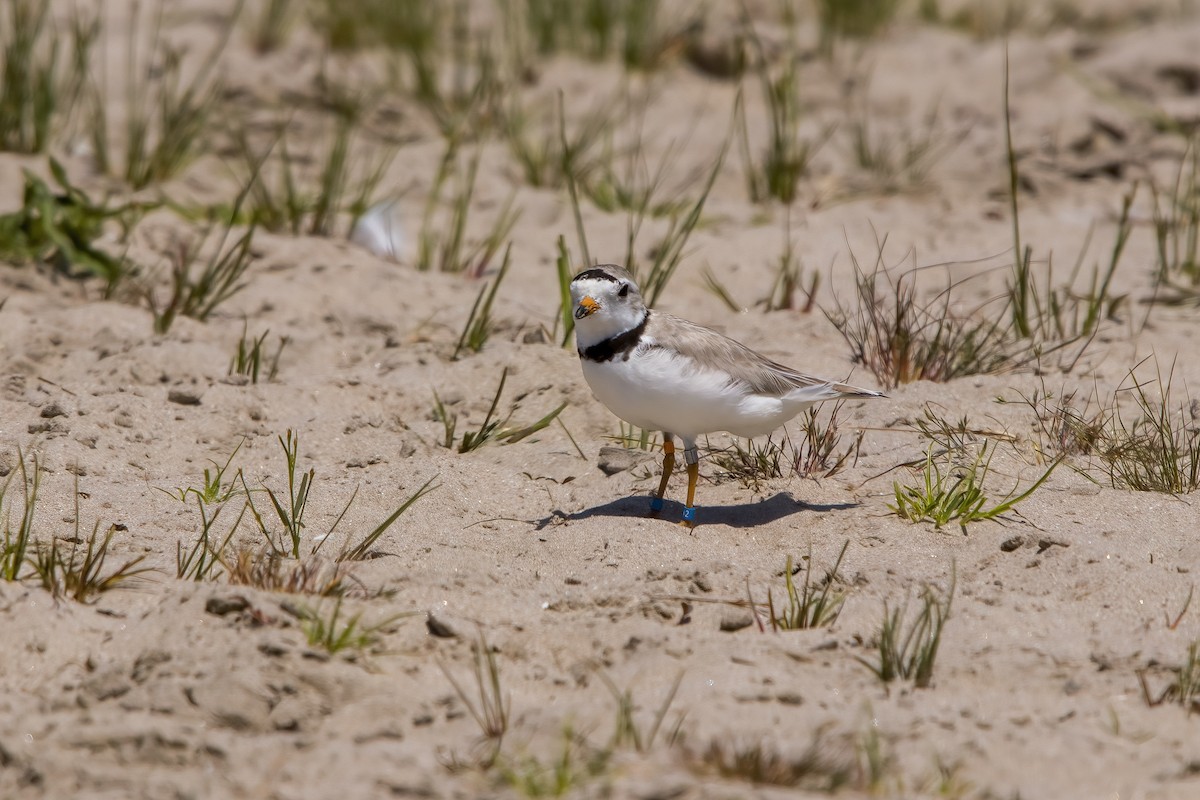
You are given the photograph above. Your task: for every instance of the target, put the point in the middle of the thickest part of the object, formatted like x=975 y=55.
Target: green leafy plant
x=952 y=492
x=290 y=509
x=363 y=548
x=577 y=763
x=61 y=227
x=668 y=254
x=493 y=427
x=281 y=195
x=547 y=148
x=200 y=561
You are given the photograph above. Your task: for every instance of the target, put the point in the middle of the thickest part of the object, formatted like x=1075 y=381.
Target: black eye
x=624 y=290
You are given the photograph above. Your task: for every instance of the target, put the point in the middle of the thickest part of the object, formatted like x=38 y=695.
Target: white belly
x=658 y=391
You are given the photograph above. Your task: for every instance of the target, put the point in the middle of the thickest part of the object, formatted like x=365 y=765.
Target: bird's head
x=605 y=301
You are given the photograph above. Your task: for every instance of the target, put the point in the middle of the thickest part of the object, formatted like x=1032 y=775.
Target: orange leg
x=692 y=457
x=656 y=502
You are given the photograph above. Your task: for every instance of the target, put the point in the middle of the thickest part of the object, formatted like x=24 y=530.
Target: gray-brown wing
x=759 y=373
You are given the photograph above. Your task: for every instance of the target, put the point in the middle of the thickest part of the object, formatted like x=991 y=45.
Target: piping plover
x=663 y=373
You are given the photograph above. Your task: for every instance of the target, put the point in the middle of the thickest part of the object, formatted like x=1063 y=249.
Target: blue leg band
x=689 y=514
x=656 y=504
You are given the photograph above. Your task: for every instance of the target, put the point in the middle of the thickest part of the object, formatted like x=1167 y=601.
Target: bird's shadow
x=741 y=515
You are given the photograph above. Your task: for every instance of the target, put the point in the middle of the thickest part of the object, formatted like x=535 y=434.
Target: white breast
x=660 y=390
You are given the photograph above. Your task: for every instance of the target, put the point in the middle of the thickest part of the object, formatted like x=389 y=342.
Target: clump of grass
x=1184 y=689
x=632 y=29
x=201 y=282
x=267 y=569
x=668 y=253
x=1054 y=317
x=201 y=560
x=364 y=547
x=493 y=427
x=442 y=243
x=896 y=160
x=788 y=153
x=858 y=19
x=251 y=355
x=280 y=197
x=954 y=492
x=43 y=73
x=60 y=228
x=901 y=338
x=272 y=25
x=479 y=323
x=15 y=547
x=627 y=732
x=290 y=510
x=815 y=454
x=548 y=149
x=1065 y=425
x=491 y=710
x=168 y=108
x=788 y=277
x=820 y=767
x=908 y=649
x=813 y=604
x=79 y=573
x=335 y=632
x=1177 y=232
x=577 y=763
x=1157 y=447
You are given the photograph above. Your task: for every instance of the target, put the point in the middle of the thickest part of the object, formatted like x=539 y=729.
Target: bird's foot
x=689 y=517
x=656 y=505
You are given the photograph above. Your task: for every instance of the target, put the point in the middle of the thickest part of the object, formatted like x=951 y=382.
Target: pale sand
x=145 y=694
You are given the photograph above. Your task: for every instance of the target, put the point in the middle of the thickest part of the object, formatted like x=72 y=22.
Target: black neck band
x=621 y=344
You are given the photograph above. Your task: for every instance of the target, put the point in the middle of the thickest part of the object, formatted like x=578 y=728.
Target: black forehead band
x=597 y=274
